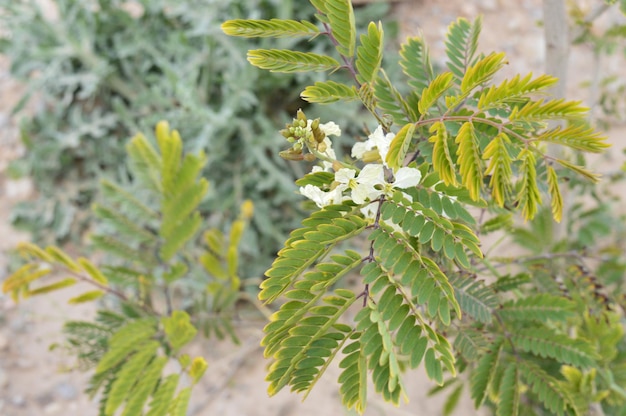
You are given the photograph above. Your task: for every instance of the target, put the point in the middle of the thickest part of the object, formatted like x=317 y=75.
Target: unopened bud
x=309 y=157
x=300 y=116
x=290 y=155
x=337 y=165
x=321 y=147
x=370 y=156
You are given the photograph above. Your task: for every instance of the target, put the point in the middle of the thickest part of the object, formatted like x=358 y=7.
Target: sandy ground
x=35 y=381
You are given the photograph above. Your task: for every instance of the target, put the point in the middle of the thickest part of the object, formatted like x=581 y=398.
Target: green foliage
x=144 y=325
x=102 y=71
x=447 y=143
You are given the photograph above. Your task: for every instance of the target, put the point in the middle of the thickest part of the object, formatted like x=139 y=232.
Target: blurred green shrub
x=105 y=69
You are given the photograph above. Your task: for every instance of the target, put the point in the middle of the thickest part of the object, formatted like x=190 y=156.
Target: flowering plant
x=446 y=146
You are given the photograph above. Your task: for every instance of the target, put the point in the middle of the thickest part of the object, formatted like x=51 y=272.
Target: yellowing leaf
x=435 y=89
x=86 y=297
x=555 y=194
x=469 y=161
x=198 y=367
x=442 y=161
x=400 y=146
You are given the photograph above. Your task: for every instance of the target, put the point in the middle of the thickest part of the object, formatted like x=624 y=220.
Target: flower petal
x=407 y=177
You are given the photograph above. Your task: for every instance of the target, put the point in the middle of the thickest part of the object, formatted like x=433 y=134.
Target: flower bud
x=301 y=117
x=291 y=155
x=321 y=147
x=309 y=157
x=371 y=156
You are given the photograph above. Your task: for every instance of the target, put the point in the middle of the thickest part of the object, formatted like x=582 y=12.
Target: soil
x=35 y=381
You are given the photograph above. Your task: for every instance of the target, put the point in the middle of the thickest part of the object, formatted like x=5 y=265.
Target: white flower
x=407 y=178
x=330 y=129
x=378 y=140
x=363 y=186
x=320 y=197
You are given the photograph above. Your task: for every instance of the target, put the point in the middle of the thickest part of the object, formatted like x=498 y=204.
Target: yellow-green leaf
x=283 y=60
x=435 y=89
x=276 y=28
x=499 y=167
x=528 y=197
x=370 y=53
x=93 y=271
x=555 y=194
x=52 y=287
x=400 y=146
x=198 y=367
x=86 y=297
x=469 y=160
x=442 y=161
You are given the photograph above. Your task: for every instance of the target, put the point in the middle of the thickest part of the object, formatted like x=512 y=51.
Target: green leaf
x=163 y=396
x=540 y=308
x=178 y=329
x=282 y=60
x=545 y=387
x=353 y=378
x=461 y=45
x=328 y=92
x=565 y=350
x=509 y=392
x=484 y=374
x=145 y=387
x=452 y=401
x=125 y=341
x=129 y=375
x=370 y=53
x=390 y=101
x=475 y=298
x=433 y=367
x=415 y=63
x=341 y=18
x=276 y=28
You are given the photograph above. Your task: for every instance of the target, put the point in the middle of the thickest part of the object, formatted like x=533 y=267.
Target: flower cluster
x=310 y=135
x=367 y=184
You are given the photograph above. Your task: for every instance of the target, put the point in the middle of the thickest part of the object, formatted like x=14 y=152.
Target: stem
x=349 y=65
x=109 y=290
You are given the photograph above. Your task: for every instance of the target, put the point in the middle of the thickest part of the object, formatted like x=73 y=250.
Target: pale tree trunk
x=557 y=44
